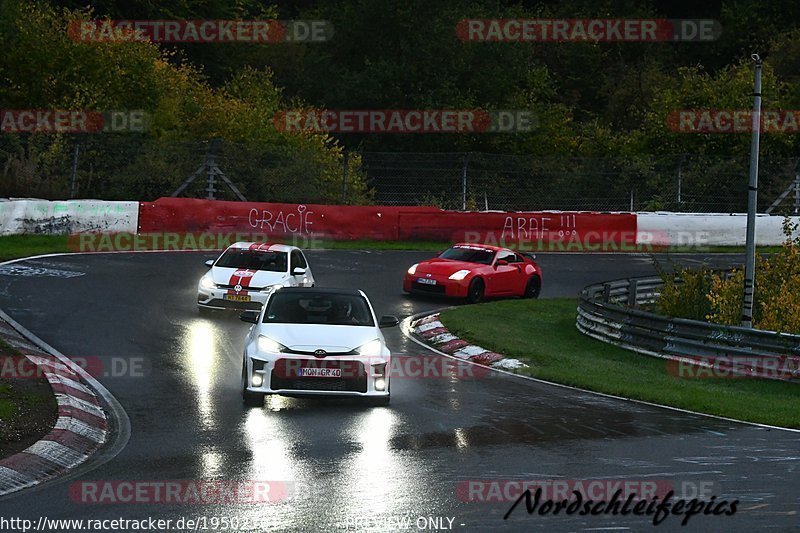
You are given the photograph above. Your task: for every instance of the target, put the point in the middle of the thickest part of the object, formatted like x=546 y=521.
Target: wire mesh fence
x=126 y=166
x=687 y=183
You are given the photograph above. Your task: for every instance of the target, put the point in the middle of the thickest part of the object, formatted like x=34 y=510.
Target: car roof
x=323 y=290
x=263 y=246
x=482 y=246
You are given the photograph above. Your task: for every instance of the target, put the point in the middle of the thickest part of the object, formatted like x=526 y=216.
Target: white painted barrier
x=61 y=217
x=706 y=229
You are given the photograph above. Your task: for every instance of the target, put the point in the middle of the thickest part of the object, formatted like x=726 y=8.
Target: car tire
x=533 y=287
x=475 y=290
x=251 y=399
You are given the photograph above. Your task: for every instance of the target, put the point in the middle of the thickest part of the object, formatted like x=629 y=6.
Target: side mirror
x=298 y=271
x=500 y=262
x=250 y=317
x=388 y=321
x=210 y=263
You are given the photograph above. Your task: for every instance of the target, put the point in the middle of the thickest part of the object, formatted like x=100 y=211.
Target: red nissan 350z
x=475 y=272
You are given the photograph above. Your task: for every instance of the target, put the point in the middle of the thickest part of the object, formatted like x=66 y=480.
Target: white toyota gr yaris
x=316 y=341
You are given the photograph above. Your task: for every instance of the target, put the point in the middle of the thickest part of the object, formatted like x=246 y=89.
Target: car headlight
x=413 y=269
x=270 y=288
x=265 y=344
x=458 y=276
x=207 y=283
x=372 y=348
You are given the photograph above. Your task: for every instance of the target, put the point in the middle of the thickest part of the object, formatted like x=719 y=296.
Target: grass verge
x=28 y=408
x=543 y=334
x=15 y=246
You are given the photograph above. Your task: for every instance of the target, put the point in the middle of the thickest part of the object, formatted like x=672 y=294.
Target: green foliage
x=686 y=298
x=707 y=295
x=590 y=99
x=44 y=69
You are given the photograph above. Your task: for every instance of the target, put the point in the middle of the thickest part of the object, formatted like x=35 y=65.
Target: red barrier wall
x=386 y=222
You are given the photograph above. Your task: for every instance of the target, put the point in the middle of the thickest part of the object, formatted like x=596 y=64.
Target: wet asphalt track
x=347 y=460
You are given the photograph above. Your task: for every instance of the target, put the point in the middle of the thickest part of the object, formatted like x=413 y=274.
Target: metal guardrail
x=616 y=312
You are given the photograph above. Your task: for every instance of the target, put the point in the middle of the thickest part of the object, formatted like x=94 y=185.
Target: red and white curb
x=433 y=332
x=81 y=429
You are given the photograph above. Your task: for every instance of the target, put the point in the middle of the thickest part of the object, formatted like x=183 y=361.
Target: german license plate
x=426 y=281
x=237 y=297
x=312 y=372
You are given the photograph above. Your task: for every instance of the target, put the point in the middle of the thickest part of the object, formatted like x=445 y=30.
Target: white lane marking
x=31 y=272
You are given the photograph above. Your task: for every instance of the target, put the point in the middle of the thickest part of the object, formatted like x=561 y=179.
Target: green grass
x=6 y=348
x=7 y=407
x=15 y=246
x=542 y=333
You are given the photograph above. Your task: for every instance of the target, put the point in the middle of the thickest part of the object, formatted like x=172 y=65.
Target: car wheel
x=475 y=291
x=533 y=288
x=251 y=399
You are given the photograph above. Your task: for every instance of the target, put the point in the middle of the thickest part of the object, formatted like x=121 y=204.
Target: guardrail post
x=606 y=292
x=633 y=287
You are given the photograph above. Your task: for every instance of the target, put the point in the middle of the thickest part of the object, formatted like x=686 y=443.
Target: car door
x=505 y=279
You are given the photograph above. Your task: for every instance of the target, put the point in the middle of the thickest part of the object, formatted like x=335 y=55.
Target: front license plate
x=237 y=297
x=321 y=372
x=426 y=281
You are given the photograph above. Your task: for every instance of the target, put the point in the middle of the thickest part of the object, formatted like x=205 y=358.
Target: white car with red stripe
x=244 y=275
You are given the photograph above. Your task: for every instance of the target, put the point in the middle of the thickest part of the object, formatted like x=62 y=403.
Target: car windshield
x=306 y=307
x=253 y=260
x=470 y=254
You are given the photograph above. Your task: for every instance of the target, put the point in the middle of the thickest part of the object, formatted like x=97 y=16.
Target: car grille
x=284 y=376
x=216 y=302
x=330 y=384
x=433 y=289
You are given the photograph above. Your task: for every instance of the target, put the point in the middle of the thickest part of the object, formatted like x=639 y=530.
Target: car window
x=289 y=307
x=510 y=257
x=253 y=260
x=470 y=254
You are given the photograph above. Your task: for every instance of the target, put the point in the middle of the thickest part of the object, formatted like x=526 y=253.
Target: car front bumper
x=218 y=299
x=443 y=286
x=281 y=374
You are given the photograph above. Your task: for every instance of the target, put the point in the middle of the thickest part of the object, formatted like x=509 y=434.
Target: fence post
x=464 y=184
x=633 y=289
x=345 y=155
x=678 y=184
x=73 y=185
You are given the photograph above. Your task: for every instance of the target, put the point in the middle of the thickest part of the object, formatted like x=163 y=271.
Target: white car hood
x=260 y=278
x=310 y=337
